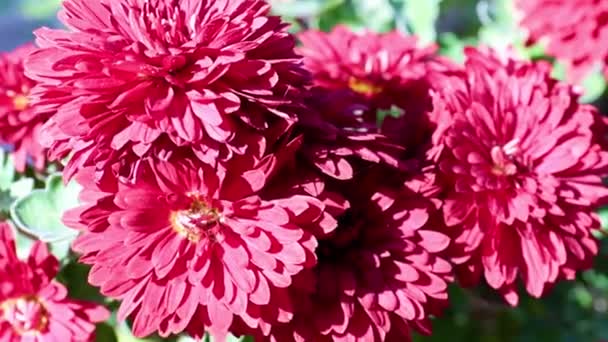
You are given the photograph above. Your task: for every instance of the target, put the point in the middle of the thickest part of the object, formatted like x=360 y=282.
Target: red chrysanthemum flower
x=20 y=121
x=33 y=306
x=373 y=78
x=378 y=275
x=382 y=69
x=134 y=71
x=187 y=249
x=576 y=32
x=524 y=175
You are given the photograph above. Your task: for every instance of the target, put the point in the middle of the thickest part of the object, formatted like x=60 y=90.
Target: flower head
x=524 y=175
x=34 y=306
x=381 y=69
x=579 y=38
x=187 y=249
x=20 y=120
x=196 y=72
x=379 y=274
x=374 y=95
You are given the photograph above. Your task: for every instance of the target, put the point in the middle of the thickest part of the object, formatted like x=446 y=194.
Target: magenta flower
x=194 y=71
x=20 y=120
x=34 y=306
x=524 y=176
x=187 y=249
x=378 y=276
x=366 y=77
x=381 y=69
x=579 y=38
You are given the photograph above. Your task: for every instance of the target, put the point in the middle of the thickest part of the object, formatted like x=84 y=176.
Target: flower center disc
x=197 y=222
x=27 y=315
x=363 y=87
x=20 y=102
x=503 y=166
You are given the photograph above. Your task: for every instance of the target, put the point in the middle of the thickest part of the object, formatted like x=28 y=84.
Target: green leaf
x=105 y=333
x=39 y=213
x=582 y=296
x=594 y=86
x=61 y=249
x=603 y=213
x=124 y=334
x=375 y=15
x=74 y=275
x=453 y=47
x=7 y=170
x=303 y=8
x=559 y=71
x=598 y=280
x=232 y=338
x=9 y=190
x=394 y=111
x=500 y=29
x=21 y=187
x=339 y=15
x=23 y=243
x=421 y=17
x=17 y=190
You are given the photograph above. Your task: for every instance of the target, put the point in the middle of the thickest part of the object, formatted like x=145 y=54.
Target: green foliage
x=376 y=15
x=499 y=28
x=421 y=17
x=11 y=188
x=594 y=86
x=303 y=8
x=452 y=46
x=106 y=333
x=7 y=171
x=39 y=213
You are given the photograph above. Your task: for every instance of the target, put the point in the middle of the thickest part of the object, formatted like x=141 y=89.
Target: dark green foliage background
x=572 y=311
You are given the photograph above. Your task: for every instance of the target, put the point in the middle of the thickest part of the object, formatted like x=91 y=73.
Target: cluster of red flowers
x=34 y=306
x=230 y=185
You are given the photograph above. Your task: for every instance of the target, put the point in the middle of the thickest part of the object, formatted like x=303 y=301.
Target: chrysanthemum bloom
x=20 y=122
x=525 y=176
x=195 y=71
x=575 y=32
x=378 y=275
x=33 y=306
x=185 y=248
x=382 y=69
x=374 y=77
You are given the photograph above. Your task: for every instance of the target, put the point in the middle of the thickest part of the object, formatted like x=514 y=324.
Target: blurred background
x=572 y=312
x=18 y=18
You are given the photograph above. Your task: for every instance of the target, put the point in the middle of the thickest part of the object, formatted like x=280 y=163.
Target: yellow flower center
x=364 y=87
x=502 y=158
x=20 y=102
x=197 y=222
x=27 y=315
